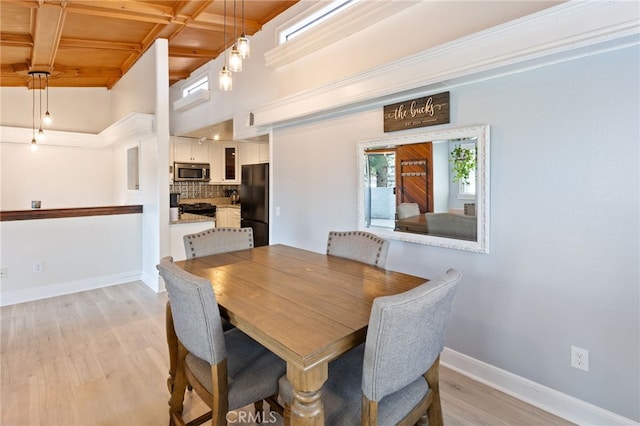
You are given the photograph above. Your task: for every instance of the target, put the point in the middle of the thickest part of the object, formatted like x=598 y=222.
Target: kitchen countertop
x=191 y=218
x=216 y=201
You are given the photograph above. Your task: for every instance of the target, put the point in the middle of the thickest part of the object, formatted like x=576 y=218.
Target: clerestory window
x=201 y=83
x=308 y=22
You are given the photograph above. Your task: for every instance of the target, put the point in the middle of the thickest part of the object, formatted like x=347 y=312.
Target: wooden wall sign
x=421 y=112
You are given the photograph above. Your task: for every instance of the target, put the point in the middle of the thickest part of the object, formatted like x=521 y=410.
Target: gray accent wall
x=563 y=268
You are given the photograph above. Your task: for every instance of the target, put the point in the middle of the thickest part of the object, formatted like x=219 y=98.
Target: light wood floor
x=100 y=358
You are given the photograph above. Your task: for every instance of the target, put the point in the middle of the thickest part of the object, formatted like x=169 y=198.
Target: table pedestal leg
x=306 y=408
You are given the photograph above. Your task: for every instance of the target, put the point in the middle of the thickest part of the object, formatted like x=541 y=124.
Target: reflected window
x=467 y=187
x=380 y=183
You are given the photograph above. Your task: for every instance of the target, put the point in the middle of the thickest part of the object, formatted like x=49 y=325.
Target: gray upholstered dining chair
x=217 y=240
x=393 y=377
x=228 y=370
x=405 y=210
x=358 y=245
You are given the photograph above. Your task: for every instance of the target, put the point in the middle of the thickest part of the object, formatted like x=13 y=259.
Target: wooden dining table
x=308 y=308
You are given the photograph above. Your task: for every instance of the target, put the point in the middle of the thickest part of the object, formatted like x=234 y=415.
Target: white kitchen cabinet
x=253 y=152
x=190 y=150
x=227 y=217
x=225 y=163
x=249 y=153
x=263 y=153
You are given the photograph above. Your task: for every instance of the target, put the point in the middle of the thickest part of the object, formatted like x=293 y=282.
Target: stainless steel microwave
x=199 y=172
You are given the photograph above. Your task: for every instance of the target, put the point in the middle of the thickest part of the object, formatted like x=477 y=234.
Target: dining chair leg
x=172 y=343
x=434 y=411
x=179 y=385
x=258 y=407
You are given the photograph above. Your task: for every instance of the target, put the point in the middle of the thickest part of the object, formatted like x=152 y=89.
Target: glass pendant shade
x=225 y=80
x=243 y=46
x=40 y=137
x=47 y=119
x=235 y=60
x=34 y=145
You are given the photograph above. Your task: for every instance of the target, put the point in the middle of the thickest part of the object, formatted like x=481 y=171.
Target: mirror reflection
x=429 y=188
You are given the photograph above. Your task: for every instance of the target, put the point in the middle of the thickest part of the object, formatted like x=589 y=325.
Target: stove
x=204 y=209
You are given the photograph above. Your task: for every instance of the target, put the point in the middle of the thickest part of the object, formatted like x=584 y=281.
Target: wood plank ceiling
x=92 y=43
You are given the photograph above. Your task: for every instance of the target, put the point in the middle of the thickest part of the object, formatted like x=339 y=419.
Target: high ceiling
x=92 y=43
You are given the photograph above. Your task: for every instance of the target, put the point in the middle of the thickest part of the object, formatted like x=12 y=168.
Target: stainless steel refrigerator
x=254 y=201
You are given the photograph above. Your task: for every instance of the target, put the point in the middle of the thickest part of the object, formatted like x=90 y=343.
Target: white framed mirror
x=430 y=187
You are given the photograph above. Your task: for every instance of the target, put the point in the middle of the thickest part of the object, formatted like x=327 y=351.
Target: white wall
x=145 y=89
x=563 y=268
x=59 y=176
x=430 y=24
x=79 y=172
x=424 y=25
x=76 y=254
x=84 y=110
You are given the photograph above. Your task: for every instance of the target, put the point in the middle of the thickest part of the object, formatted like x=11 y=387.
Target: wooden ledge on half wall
x=68 y=212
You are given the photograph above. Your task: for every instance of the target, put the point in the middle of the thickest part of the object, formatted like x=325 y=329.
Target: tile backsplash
x=201 y=190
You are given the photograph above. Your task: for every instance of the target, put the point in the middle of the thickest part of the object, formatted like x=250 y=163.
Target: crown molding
x=546 y=35
x=131 y=126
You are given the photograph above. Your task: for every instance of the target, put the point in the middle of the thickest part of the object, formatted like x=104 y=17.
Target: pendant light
x=40 y=136
x=47 y=117
x=243 y=42
x=34 y=142
x=42 y=85
x=235 y=60
x=225 y=79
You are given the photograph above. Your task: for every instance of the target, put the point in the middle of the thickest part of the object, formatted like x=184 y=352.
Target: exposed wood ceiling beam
x=133 y=11
x=15 y=40
x=47 y=30
x=99 y=45
x=185 y=52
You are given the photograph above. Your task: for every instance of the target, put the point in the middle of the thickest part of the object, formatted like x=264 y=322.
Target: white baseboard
x=547 y=399
x=52 y=290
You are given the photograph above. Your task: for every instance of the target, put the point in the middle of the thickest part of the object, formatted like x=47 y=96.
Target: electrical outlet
x=579 y=358
x=4 y=273
x=38 y=267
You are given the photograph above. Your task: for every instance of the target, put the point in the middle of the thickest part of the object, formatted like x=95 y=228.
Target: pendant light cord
x=47 y=83
x=224 y=25
x=235 y=23
x=33 y=112
x=40 y=93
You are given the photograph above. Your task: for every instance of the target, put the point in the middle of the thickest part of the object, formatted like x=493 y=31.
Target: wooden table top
x=306 y=307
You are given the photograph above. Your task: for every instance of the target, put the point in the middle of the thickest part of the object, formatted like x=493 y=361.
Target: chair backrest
x=406 y=335
x=405 y=210
x=217 y=240
x=196 y=317
x=358 y=245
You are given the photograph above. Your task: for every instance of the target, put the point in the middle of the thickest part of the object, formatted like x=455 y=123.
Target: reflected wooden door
x=414 y=169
